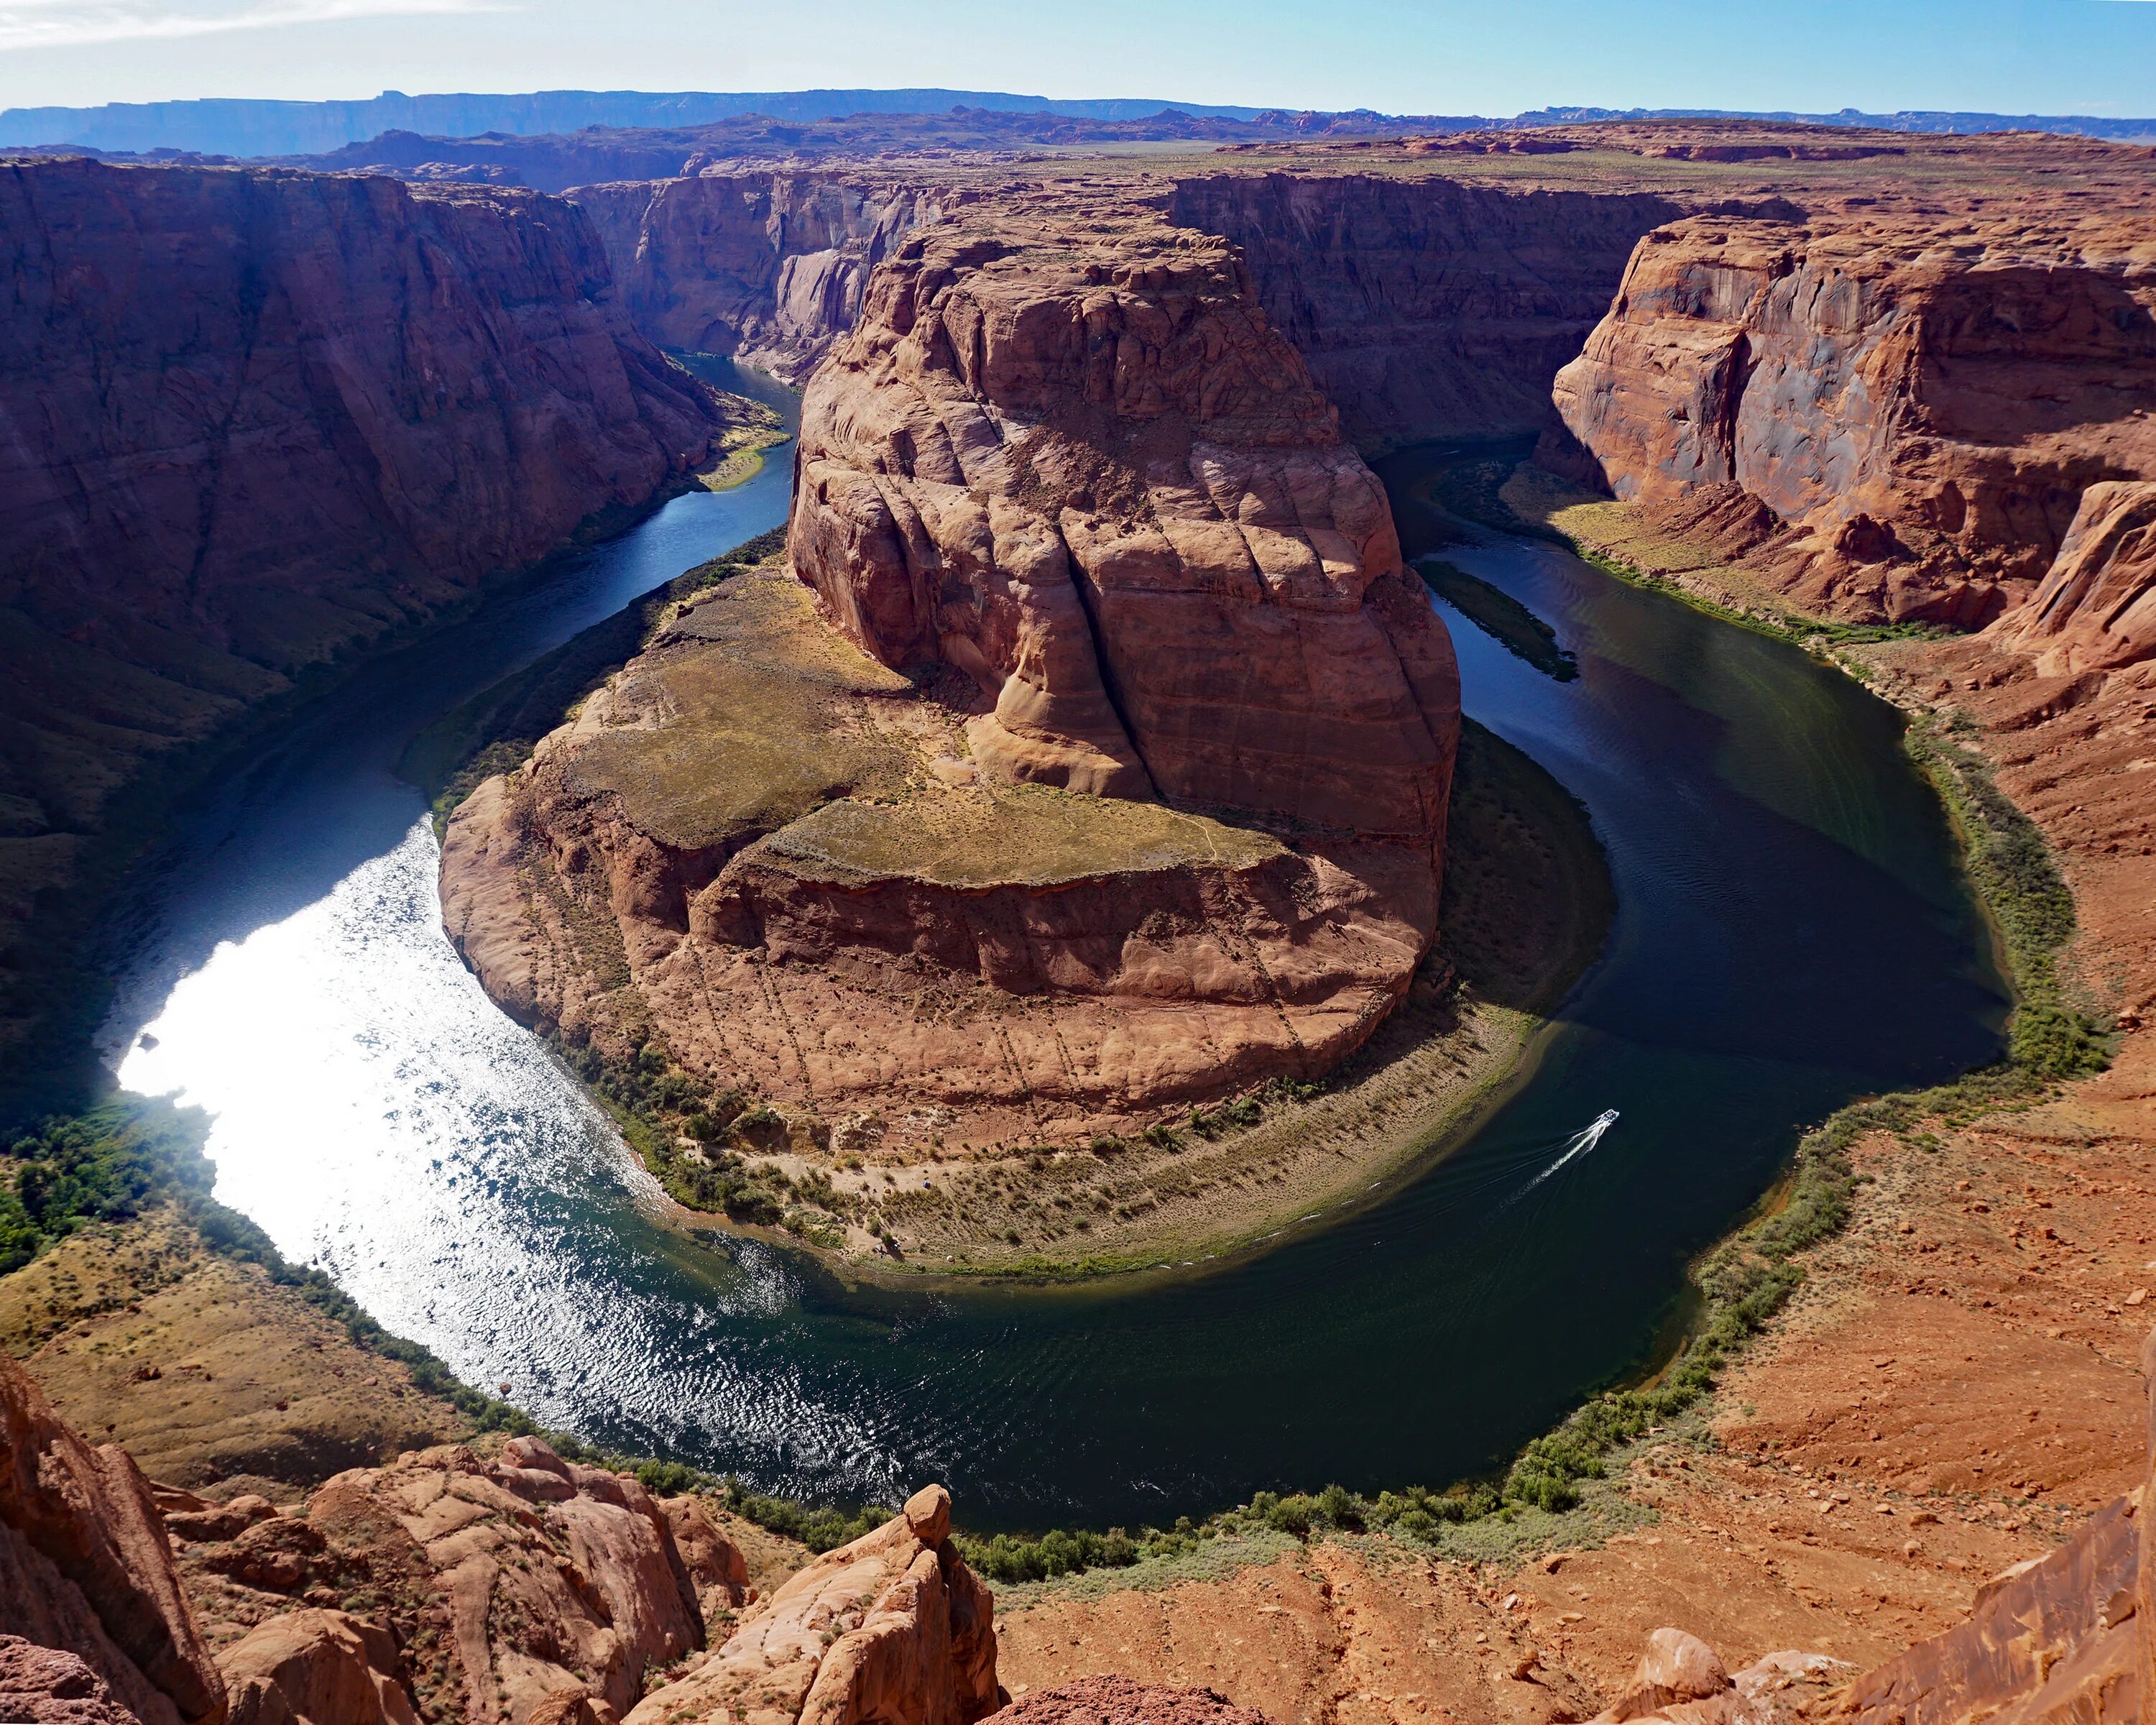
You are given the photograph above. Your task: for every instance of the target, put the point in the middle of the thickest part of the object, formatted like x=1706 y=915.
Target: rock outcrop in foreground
x=1890 y=423
x=1112 y=775
x=520 y=1589
x=455 y=1589
x=85 y=1567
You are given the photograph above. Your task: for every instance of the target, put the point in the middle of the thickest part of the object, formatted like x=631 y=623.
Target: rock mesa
x=1108 y=771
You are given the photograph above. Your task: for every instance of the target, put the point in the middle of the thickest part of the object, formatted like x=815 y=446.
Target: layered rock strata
x=2095 y=610
x=2059 y=1637
x=768 y=267
x=1113 y=775
x=1887 y=421
x=1425 y=308
x=271 y=413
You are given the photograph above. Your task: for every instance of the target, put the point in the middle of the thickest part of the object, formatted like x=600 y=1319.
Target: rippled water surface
x=1790 y=933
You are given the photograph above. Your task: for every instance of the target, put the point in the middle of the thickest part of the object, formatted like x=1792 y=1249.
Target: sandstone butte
x=516 y=1588
x=1109 y=774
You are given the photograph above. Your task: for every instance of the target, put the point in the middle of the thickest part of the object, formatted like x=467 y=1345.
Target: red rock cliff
x=768 y=267
x=1898 y=421
x=1423 y=307
x=1092 y=477
x=236 y=399
x=252 y=417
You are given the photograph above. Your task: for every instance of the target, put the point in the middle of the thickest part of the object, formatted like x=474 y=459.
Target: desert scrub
x=112 y=1162
x=496 y=730
x=107 y=1165
x=2026 y=900
x=653 y=1104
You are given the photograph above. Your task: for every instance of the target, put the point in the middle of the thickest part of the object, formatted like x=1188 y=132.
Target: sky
x=1398 y=56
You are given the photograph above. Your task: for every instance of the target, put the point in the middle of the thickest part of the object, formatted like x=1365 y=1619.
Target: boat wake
x=1578 y=1144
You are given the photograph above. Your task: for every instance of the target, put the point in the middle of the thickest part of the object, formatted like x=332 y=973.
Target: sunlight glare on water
x=398 y=1131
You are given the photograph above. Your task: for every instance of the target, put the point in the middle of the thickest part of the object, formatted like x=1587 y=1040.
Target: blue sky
x=1441 y=56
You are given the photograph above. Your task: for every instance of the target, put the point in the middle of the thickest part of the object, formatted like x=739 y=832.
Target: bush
x=104 y=1166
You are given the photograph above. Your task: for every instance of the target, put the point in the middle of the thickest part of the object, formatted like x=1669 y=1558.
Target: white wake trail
x=1578 y=1145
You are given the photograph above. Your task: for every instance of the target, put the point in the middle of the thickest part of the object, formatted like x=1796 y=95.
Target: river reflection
x=1790 y=933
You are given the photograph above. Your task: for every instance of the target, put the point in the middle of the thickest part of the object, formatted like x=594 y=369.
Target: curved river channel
x=1791 y=932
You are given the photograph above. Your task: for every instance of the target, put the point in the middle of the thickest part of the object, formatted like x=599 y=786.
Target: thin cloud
x=72 y=23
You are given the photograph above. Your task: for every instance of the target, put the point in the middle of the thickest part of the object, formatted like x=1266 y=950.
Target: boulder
x=44 y=1686
x=893 y=1629
x=313 y=1667
x=1682 y=1680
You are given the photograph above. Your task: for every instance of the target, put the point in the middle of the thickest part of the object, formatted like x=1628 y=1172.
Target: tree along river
x=1792 y=931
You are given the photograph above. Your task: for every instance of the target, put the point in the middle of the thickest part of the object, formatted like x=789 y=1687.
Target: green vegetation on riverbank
x=116 y=1162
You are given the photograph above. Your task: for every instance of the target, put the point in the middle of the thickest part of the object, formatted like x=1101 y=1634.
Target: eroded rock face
x=2095 y=610
x=2056 y=1640
x=769 y=267
x=315 y=1667
x=84 y=1566
x=529 y=1578
x=240 y=393
x=253 y=418
x=1091 y=476
x=891 y=1629
x=44 y=1685
x=1890 y=427
x=1425 y=308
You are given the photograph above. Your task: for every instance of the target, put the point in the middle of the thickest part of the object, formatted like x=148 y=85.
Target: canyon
x=259 y=420
x=998 y=519
x=1063 y=439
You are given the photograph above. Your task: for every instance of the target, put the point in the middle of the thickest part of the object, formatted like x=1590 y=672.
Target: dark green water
x=1791 y=932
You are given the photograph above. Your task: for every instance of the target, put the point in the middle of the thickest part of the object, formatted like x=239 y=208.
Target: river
x=1791 y=932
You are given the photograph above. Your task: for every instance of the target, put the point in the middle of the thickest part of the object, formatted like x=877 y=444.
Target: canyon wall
x=271 y=411
x=1892 y=420
x=1425 y=308
x=253 y=418
x=768 y=267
